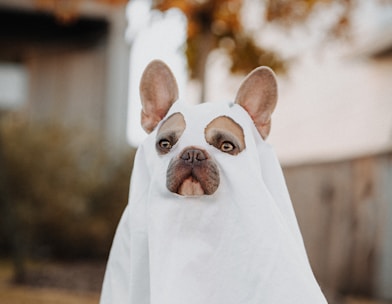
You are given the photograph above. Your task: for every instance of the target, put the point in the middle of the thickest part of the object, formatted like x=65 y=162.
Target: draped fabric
x=241 y=245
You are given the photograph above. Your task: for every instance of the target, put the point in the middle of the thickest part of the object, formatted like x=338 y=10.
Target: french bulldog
x=209 y=218
x=193 y=172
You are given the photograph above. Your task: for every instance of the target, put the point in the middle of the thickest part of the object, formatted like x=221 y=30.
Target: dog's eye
x=227 y=146
x=165 y=144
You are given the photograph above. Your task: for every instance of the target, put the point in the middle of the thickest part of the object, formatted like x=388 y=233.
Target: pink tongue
x=190 y=187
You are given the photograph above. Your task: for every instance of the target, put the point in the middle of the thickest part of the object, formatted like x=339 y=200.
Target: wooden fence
x=344 y=209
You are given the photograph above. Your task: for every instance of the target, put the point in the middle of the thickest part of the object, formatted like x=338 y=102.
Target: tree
x=217 y=24
x=67 y=10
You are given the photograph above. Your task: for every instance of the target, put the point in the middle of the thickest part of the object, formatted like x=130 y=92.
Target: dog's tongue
x=190 y=187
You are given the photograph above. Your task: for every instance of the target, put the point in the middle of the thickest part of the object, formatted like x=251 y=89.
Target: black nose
x=193 y=155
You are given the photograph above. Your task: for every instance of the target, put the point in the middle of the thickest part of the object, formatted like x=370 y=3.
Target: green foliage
x=65 y=193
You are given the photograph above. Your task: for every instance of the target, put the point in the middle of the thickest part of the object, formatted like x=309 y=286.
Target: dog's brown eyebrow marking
x=169 y=132
x=224 y=130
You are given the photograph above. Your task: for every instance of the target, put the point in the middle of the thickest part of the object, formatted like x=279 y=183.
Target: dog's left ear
x=158 y=91
x=258 y=95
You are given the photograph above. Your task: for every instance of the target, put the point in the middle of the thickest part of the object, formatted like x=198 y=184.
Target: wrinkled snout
x=193 y=156
x=192 y=173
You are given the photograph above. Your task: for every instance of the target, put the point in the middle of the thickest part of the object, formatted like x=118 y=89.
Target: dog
x=209 y=218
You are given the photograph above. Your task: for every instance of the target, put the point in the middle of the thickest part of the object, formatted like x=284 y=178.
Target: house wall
x=68 y=87
x=344 y=210
x=77 y=72
x=335 y=108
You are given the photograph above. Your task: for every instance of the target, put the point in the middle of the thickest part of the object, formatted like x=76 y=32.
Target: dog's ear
x=258 y=95
x=158 y=91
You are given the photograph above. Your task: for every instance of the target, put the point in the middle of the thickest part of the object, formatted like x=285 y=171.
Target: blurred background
x=69 y=127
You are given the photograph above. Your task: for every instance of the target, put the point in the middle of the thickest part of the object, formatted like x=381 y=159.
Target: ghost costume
x=240 y=245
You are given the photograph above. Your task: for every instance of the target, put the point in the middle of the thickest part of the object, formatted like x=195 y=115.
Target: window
x=13 y=85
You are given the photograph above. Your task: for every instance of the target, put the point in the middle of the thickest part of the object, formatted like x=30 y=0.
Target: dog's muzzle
x=192 y=173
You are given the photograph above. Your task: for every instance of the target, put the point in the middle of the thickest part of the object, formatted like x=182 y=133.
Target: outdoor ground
x=71 y=283
x=53 y=283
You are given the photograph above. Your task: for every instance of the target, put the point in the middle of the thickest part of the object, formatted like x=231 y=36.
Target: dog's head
x=194 y=137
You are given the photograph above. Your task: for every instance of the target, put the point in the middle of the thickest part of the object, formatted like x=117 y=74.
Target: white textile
x=241 y=245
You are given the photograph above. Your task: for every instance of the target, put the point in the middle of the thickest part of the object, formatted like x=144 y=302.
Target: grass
x=27 y=295
x=75 y=292
x=355 y=300
x=17 y=294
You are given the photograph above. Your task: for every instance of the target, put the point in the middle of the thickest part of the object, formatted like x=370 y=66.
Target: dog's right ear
x=258 y=95
x=158 y=91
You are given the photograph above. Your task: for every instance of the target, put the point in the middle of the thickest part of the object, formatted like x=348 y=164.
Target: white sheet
x=241 y=245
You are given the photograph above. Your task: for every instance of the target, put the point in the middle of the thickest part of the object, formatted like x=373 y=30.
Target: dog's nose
x=193 y=155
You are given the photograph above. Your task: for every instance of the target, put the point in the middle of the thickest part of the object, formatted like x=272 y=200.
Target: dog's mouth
x=193 y=173
x=190 y=187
